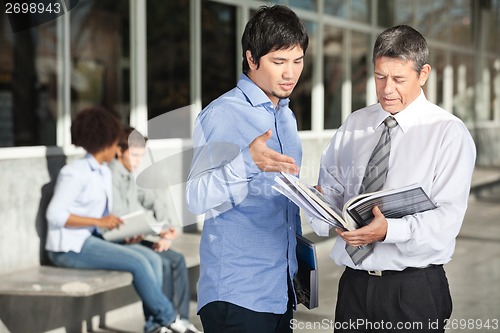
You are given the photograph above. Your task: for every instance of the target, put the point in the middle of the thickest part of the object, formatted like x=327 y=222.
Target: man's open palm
x=269 y=160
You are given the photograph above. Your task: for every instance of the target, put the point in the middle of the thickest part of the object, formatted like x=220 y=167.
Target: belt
x=390 y=272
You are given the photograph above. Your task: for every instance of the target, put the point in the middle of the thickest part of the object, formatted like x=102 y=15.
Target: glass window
x=464 y=91
x=218 y=46
x=386 y=10
x=496 y=31
x=448 y=20
x=336 y=8
x=301 y=100
x=484 y=97
x=360 y=58
x=459 y=15
x=496 y=90
x=493 y=89
x=358 y=10
x=437 y=60
x=99 y=55
x=28 y=84
x=494 y=27
x=405 y=11
x=333 y=75
x=168 y=56
x=304 y=4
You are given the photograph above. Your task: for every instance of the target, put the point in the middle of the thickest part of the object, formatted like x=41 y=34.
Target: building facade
x=144 y=58
x=148 y=60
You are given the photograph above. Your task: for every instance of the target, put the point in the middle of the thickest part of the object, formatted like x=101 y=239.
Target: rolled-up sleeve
x=65 y=193
x=221 y=170
x=227 y=183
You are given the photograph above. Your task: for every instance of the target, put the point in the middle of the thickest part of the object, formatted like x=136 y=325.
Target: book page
x=136 y=223
x=294 y=195
x=304 y=201
x=318 y=198
x=396 y=203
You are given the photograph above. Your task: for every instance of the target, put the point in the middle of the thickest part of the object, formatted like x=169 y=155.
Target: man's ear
x=251 y=63
x=424 y=74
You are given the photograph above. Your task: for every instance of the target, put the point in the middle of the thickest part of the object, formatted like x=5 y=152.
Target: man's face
x=132 y=157
x=397 y=83
x=278 y=72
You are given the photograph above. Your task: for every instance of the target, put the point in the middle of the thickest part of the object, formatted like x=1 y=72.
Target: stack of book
x=356 y=212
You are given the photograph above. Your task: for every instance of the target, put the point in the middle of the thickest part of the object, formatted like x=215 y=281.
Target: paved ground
x=474 y=276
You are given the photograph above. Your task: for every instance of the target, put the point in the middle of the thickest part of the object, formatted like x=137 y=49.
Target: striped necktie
x=374 y=179
x=376 y=170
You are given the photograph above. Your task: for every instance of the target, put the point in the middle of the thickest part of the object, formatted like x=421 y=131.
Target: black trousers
x=224 y=317
x=417 y=300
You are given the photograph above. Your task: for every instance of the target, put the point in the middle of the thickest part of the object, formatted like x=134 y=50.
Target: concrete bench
x=55 y=281
x=34 y=296
x=483 y=180
x=42 y=298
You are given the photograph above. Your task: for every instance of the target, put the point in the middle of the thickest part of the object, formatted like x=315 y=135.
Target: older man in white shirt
x=429 y=146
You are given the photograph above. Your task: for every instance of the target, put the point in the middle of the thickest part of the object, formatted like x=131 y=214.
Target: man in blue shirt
x=247 y=249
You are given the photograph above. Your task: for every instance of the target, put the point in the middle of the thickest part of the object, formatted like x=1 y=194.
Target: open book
x=134 y=224
x=357 y=212
x=306 y=279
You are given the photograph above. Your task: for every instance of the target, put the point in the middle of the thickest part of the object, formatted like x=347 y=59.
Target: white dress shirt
x=430 y=147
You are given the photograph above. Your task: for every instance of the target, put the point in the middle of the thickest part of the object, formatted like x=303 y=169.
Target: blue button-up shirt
x=248 y=242
x=83 y=188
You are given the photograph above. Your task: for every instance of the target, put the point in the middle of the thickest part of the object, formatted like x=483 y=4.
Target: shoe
x=192 y=328
x=182 y=326
x=161 y=329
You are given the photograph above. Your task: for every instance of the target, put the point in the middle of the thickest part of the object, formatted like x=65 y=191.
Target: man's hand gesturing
x=269 y=160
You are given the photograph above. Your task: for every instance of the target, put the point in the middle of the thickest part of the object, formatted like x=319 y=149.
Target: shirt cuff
x=397 y=231
x=251 y=168
x=61 y=219
x=321 y=228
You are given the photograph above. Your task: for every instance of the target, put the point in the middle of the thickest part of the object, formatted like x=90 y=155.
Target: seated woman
x=80 y=208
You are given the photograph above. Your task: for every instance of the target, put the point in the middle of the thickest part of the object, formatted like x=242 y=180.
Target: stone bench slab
x=67 y=282
x=55 y=281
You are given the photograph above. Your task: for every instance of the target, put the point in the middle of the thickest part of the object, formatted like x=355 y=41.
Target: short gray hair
x=402 y=42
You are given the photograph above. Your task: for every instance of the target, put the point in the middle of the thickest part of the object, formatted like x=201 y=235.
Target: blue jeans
x=142 y=262
x=176 y=281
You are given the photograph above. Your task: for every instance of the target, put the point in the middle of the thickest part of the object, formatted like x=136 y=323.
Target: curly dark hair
x=95 y=129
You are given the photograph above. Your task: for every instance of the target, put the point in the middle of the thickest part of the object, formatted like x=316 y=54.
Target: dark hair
x=402 y=42
x=131 y=138
x=271 y=29
x=95 y=129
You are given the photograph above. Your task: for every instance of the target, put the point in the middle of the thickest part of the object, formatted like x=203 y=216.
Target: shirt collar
x=406 y=117
x=119 y=168
x=94 y=165
x=254 y=94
